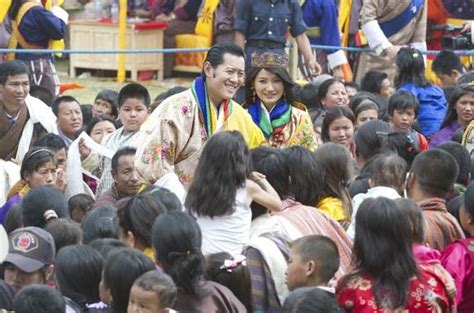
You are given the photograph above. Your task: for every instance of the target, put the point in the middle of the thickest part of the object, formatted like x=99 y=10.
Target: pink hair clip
x=237 y=260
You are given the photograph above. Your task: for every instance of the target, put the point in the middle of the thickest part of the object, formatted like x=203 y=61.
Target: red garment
x=424 y=294
x=458 y=259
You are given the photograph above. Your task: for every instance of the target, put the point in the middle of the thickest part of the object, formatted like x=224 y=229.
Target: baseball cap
x=30 y=249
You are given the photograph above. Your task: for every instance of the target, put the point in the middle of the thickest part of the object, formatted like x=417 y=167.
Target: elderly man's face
x=126 y=177
x=15 y=89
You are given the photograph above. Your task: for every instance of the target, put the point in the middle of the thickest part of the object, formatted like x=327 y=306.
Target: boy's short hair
x=403 y=100
x=80 y=201
x=134 y=91
x=389 y=170
x=462 y=157
x=447 y=61
x=39 y=299
x=436 y=172
x=161 y=284
x=320 y=249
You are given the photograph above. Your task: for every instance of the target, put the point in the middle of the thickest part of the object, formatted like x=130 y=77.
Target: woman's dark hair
x=14 y=219
x=324 y=88
x=335 y=161
x=311 y=299
x=97 y=119
x=100 y=223
x=369 y=138
x=305 y=175
x=411 y=68
x=372 y=82
x=39 y=299
x=281 y=72
x=177 y=239
x=401 y=144
x=138 y=215
x=166 y=198
x=223 y=167
x=383 y=250
x=111 y=97
x=309 y=97
x=272 y=163
x=34 y=159
x=64 y=232
x=121 y=269
x=237 y=279
x=78 y=273
x=106 y=245
x=86 y=110
x=40 y=200
x=332 y=115
x=459 y=91
x=415 y=215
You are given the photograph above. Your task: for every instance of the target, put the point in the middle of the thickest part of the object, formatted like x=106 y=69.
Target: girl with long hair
x=411 y=76
x=222 y=190
x=272 y=105
x=386 y=277
x=338 y=127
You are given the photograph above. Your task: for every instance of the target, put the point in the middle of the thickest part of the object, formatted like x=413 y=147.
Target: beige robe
x=413 y=32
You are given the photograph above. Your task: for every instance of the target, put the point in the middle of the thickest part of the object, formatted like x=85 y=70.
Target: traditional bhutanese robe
x=378 y=11
x=297 y=132
x=175 y=135
x=441 y=228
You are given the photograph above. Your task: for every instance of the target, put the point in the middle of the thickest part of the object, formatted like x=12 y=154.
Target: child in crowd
x=458 y=258
x=387 y=179
x=411 y=77
x=105 y=103
x=366 y=111
x=222 y=190
x=313 y=262
x=133 y=104
x=402 y=111
x=79 y=205
x=448 y=68
x=152 y=292
x=338 y=127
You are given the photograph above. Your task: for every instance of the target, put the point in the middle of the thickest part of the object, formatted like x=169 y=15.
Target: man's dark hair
x=121 y=152
x=436 y=172
x=215 y=55
x=59 y=100
x=447 y=61
x=134 y=91
x=462 y=157
x=372 y=82
x=51 y=141
x=11 y=68
x=39 y=299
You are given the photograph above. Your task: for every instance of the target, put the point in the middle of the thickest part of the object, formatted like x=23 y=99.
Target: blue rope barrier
x=189 y=50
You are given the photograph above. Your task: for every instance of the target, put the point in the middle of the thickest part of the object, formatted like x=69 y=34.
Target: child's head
x=42 y=204
x=388 y=170
x=64 y=231
x=415 y=215
x=402 y=144
x=338 y=126
x=463 y=159
x=152 y=292
x=366 y=111
x=39 y=299
x=79 y=205
x=133 y=103
x=377 y=83
x=410 y=68
x=369 y=139
x=105 y=103
x=223 y=167
x=99 y=223
x=466 y=213
x=402 y=110
x=232 y=272
x=448 y=67
x=313 y=261
x=122 y=267
x=310 y=299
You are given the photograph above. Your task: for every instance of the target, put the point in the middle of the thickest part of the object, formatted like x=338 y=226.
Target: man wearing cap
x=30 y=258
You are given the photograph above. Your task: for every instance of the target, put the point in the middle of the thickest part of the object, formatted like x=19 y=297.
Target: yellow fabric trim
x=16 y=36
x=313 y=32
x=332 y=206
x=205 y=22
x=240 y=120
x=24 y=190
x=344 y=20
x=4 y=6
x=149 y=253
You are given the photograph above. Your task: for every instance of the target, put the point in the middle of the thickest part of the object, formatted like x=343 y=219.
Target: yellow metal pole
x=122 y=40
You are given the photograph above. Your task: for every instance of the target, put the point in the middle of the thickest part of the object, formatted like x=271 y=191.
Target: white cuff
x=336 y=59
x=375 y=36
x=60 y=13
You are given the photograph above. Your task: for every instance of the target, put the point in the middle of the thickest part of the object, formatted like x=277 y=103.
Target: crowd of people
x=327 y=197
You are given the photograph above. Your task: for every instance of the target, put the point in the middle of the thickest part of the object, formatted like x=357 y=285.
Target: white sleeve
x=375 y=37
x=60 y=13
x=336 y=59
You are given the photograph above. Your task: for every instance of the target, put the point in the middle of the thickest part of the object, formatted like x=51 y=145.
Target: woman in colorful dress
x=270 y=102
